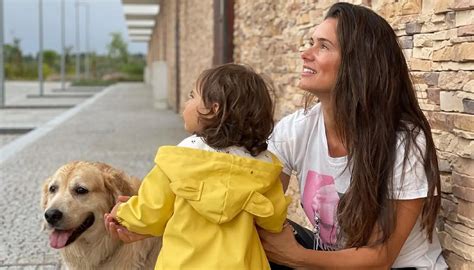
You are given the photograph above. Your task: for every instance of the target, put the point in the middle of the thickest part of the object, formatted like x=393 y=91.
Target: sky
x=106 y=16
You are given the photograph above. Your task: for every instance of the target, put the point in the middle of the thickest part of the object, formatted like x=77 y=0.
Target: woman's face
x=321 y=59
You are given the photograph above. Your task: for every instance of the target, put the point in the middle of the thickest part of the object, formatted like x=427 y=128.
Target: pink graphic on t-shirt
x=320 y=198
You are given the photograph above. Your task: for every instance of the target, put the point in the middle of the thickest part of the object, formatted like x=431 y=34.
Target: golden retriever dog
x=75 y=200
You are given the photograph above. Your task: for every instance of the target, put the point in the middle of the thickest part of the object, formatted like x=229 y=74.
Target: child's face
x=193 y=106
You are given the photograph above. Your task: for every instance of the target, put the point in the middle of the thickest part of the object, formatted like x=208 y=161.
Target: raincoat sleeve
x=274 y=223
x=149 y=212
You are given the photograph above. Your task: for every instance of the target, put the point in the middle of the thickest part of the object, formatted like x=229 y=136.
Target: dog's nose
x=52 y=216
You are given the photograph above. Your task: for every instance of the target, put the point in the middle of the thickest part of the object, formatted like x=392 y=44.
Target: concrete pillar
x=147 y=75
x=159 y=82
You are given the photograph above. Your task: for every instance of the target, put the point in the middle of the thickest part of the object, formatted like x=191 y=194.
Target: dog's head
x=76 y=198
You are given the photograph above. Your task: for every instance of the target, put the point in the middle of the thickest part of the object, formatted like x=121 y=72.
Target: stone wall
x=438 y=40
x=195 y=44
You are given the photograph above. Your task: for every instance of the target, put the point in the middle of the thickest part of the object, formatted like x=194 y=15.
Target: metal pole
x=63 y=44
x=78 y=44
x=87 y=61
x=40 y=56
x=2 y=70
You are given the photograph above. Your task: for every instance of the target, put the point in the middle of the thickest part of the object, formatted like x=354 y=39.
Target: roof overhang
x=140 y=17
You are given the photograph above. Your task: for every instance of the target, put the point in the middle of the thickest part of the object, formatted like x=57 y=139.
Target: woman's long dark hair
x=374 y=105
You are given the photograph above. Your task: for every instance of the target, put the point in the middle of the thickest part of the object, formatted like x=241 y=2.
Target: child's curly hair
x=245 y=108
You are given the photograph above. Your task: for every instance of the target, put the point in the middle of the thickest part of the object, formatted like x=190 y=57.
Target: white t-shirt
x=299 y=141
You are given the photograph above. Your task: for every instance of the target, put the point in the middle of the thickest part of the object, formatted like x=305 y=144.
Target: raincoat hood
x=217 y=185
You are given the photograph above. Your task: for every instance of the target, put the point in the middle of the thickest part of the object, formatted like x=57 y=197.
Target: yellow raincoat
x=206 y=205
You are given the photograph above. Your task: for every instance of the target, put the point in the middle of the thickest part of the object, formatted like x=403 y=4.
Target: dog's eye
x=81 y=190
x=52 y=189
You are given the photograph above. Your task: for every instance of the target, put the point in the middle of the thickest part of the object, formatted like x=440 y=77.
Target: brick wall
x=438 y=41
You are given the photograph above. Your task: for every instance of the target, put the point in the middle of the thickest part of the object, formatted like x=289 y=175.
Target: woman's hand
x=282 y=247
x=116 y=230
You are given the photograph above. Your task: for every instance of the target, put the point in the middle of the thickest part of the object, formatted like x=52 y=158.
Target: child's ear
x=215 y=107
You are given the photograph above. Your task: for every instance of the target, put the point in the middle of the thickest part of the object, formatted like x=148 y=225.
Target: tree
x=51 y=58
x=13 y=53
x=117 y=48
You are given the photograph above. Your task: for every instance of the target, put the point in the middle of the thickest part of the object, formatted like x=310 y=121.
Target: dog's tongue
x=58 y=239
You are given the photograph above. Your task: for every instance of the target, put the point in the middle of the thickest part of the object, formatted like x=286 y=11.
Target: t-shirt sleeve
x=410 y=181
x=280 y=144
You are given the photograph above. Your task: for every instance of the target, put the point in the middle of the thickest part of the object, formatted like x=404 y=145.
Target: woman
x=363 y=155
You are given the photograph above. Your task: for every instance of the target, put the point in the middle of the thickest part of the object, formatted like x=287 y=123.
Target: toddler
x=207 y=195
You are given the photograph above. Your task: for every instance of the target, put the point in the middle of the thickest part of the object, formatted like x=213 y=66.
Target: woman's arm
x=282 y=248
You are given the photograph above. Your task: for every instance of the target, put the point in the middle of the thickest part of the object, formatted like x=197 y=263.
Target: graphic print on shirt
x=319 y=202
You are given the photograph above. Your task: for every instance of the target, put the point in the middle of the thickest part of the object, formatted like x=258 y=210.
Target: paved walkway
x=117 y=126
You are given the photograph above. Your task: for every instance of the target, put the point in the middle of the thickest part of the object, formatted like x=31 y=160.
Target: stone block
x=464 y=193
x=458 y=263
x=304 y=19
x=444 y=54
x=465 y=39
x=450 y=19
x=412 y=28
x=440 y=120
x=422 y=53
x=468 y=105
x=427 y=107
x=469 y=86
x=437 y=18
x=466 y=210
x=451 y=66
x=431 y=78
x=442 y=6
x=408 y=53
x=453 y=80
x=465 y=148
x=440 y=44
x=423 y=40
x=448 y=209
x=464 y=122
x=422 y=95
x=464 y=17
x=433 y=95
x=467 y=30
x=463 y=180
x=446 y=184
x=464 y=134
x=411 y=7
x=463 y=4
x=464 y=166
x=428 y=7
x=420 y=65
x=460 y=232
x=406 y=42
x=450 y=102
x=431 y=27
x=464 y=52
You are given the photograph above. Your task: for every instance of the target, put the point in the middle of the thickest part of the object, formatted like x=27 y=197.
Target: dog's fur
x=94 y=248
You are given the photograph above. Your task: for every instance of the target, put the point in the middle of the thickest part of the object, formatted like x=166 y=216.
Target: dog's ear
x=116 y=182
x=44 y=193
x=44 y=199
